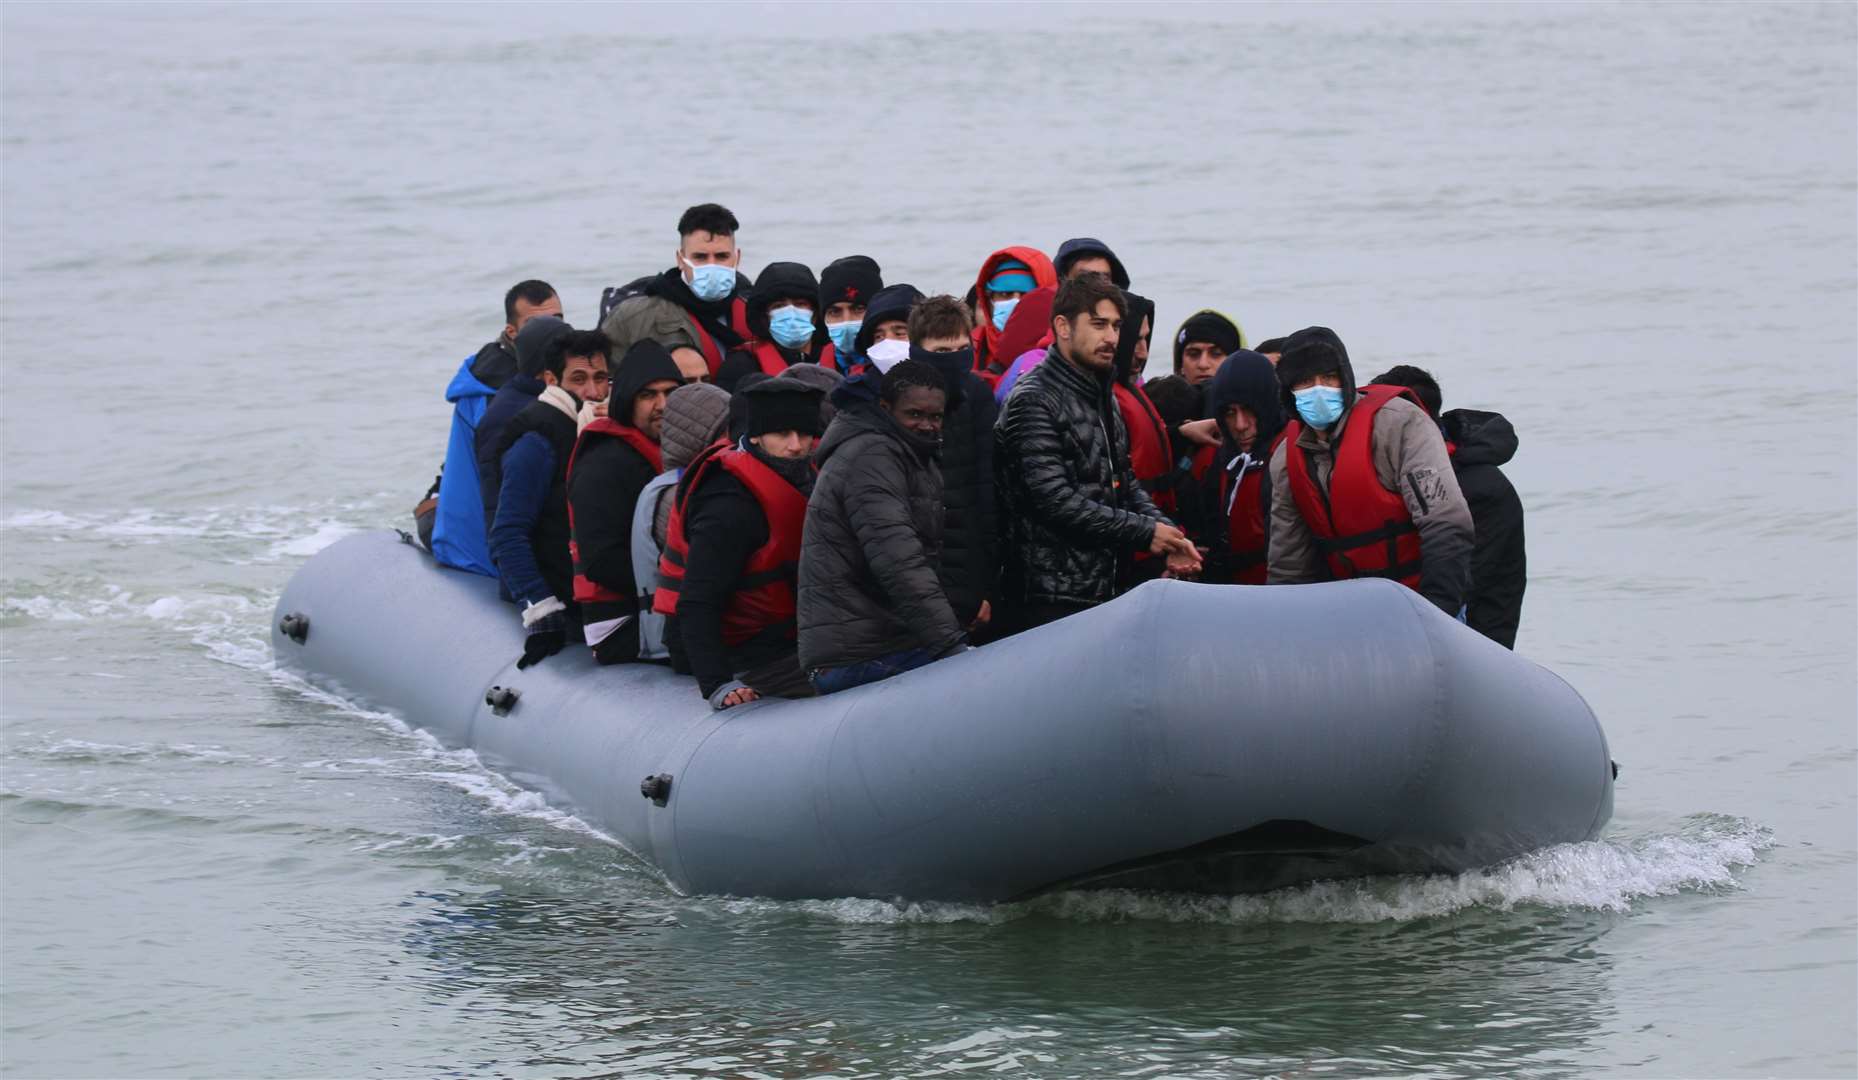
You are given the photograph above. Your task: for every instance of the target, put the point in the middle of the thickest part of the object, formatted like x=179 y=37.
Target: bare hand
x=740 y=697
x=1168 y=538
x=985 y=615
x=1184 y=564
x=1204 y=432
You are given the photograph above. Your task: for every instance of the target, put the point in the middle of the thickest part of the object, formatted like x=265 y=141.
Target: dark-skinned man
x=1072 y=509
x=616 y=457
x=730 y=568
x=1361 y=485
x=872 y=603
x=529 y=536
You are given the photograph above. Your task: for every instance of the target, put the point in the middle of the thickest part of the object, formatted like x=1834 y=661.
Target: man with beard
x=730 y=567
x=1071 y=507
x=872 y=603
x=616 y=456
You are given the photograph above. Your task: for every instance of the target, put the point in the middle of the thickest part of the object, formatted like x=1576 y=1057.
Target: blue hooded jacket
x=458 y=538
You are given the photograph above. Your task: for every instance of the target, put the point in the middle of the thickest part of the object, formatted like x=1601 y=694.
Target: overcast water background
x=245 y=248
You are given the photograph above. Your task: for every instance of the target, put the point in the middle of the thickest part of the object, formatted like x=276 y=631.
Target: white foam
x=325 y=534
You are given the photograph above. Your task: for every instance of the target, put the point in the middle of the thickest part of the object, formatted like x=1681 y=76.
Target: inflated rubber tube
x=1184 y=736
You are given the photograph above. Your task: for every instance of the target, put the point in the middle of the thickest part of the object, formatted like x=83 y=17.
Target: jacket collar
x=1092 y=388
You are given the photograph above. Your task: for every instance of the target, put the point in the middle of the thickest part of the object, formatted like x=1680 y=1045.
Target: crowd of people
x=800 y=484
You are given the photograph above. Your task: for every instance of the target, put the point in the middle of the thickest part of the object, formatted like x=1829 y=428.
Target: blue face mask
x=843 y=334
x=711 y=282
x=1003 y=310
x=791 y=326
x=1319 y=406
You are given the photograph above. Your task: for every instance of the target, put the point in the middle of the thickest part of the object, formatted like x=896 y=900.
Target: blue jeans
x=833 y=680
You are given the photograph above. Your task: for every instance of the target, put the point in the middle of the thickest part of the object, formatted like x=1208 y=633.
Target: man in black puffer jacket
x=1070 y=505
x=871 y=600
x=941 y=335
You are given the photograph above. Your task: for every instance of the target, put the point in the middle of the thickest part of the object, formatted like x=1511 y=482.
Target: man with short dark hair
x=1361 y=485
x=1480 y=443
x=616 y=456
x=729 y=571
x=704 y=288
x=871 y=599
x=530 y=535
x=1072 y=509
x=451 y=519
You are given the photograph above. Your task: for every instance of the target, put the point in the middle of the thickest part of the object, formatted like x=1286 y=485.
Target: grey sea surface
x=243 y=248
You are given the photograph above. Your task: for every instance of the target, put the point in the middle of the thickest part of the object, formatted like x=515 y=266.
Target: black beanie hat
x=1313 y=351
x=540 y=340
x=782 y=405
x=1211 y=327
x=855 y=279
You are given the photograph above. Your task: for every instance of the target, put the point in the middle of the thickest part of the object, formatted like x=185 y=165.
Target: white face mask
x=887 y=353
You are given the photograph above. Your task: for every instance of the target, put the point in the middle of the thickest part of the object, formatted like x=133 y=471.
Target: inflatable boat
x=1211 y=738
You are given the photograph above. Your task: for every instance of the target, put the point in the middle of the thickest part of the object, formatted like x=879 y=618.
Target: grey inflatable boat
x=1186 y=737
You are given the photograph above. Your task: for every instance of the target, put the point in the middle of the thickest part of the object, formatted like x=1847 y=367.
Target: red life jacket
x=586 y=590
x=1248 y=534
x=765 y=596
x=1149 y=449
x=712 y=351
x=773 y=363
x=1361 y=528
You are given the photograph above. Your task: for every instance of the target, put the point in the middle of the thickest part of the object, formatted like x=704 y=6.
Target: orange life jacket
x=766 y=595
x=588 y=592
x=1361 y=528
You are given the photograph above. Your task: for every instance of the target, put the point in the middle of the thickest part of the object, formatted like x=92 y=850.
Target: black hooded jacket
x=1482 y=442
x=1070 y=507
x=778 y=281
x=869 y=584
x=1245 y=378
x=1071 y=251
x=608 y=475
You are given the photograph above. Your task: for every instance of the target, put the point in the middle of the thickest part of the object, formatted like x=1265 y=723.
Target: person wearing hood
x=1085 y=255
x=871 y=602
x=450 y=518
x=538 y=349
x=1203 y=342
x=1006 y=276
x=1026 y=340
x=781 y=324
x=846 y=287
x=1361 y=484
x=1480 y=443
x=883 y=338
x=1150 y=450
x=730 y=567
x=696 y=416
x=1071 y=509
x=704 y=285
x=1231 y=512
x=530 y=537
x=616 y=456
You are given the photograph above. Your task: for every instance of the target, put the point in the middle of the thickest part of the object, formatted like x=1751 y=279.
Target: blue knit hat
x=1011 y=275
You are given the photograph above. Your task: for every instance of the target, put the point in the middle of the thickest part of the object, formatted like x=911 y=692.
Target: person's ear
x=1061 y=328
x=736 y=259
x=549 y=378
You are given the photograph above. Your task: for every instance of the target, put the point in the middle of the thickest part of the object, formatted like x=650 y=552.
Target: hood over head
x=538 y=343
x=1247 y=378
x=645 y=363
x=694 y=417
x=1028 y=328
x=986 y=338
x=779 y=281
x=854 y=279
x=1072 y=250
x=1210 y=326
x=1311 y=351
x=891 y=302
x=1140 y=307
x=1479 y=438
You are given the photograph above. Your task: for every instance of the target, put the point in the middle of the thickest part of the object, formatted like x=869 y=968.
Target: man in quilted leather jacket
x=1071 y=509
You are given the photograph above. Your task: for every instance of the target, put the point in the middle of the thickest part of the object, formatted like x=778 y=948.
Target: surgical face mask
x=1003 y=310
x=711 y=281
x=843 y=334
x=886 y=353
x=791 y=326
x=1319 y=406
